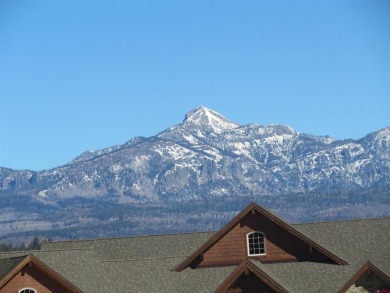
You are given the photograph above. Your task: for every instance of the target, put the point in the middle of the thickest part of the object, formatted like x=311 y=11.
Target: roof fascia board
x=213 y=239
x=298 y=234
x=360 y=272
x=35 y=262
x=224 y=286
x=252 y=206
x=247 y=265
x=63 y=281
x=266 y=278
x=14 y=271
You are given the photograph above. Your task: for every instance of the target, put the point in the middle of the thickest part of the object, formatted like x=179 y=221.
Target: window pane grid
x=256 y=243
x=28 y=291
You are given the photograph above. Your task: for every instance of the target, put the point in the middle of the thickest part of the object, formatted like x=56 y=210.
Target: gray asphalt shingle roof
x=8 y=264
x=301 y=277
x=354 y=240
x=154 y=275
x=138 y=247
x=145 y=263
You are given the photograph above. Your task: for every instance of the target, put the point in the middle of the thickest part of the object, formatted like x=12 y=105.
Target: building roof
x=8 y=264
x=137 y=247
x=15 y=265
x=147 y=263
x=368 y=268
x=252 y=208
x=353 y=240
x=255 y=268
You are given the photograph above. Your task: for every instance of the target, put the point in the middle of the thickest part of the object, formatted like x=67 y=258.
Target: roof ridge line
x=144 y=258
x=271 y=216
x=127 y=237
x=339 y=221
x=19 y=251
x=65 y=249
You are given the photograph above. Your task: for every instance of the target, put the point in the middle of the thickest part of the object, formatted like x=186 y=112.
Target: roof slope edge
x=261 y=274
x=254 y=207
x=34 y=261
x=366 y=266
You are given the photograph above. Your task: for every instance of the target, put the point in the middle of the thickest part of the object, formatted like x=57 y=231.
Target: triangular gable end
x=281 y=242
x=249 y=278
x=370 y=278
x=31 y=263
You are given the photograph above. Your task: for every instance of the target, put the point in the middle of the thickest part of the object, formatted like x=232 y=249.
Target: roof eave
x=271 y=216
x=33 y=261
x=367 y=265
x=262 y=275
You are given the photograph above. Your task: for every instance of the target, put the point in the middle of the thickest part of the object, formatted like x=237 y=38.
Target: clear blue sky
x=84 y=75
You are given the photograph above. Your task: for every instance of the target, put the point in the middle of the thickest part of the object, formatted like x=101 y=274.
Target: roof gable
x=250 y=278
x=196 y=257
x=8 y=264
x=34 y=262
x=370 y=269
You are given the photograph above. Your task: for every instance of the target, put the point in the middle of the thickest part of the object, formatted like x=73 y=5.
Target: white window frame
x=21 y=290
x=247 y=243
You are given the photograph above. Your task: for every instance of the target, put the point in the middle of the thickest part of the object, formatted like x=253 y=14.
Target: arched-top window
x=256 y=243
x=28 y=290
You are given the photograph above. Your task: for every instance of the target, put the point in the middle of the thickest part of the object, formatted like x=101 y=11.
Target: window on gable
x=28 y=290
x=256 y=243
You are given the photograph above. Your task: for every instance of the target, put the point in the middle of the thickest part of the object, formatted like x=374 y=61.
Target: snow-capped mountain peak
x=384 y=134
x=205 y=117
x=209 y=155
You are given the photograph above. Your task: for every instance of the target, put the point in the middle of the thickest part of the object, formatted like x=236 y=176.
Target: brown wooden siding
x=29 y=277
x=280 y=244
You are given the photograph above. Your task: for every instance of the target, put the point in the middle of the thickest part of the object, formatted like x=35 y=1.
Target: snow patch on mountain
x=209 y=154
x=204 y=117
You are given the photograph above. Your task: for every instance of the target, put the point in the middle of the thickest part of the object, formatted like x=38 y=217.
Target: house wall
x=29 y=277
x=280 y=244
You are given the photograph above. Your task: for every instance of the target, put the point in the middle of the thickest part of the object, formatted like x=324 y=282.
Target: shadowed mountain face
x=209 y=156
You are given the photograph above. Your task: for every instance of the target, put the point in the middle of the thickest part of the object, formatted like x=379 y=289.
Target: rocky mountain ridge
x=208 y=155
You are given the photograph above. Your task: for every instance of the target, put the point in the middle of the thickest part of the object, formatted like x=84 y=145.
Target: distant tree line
x=81 y=218
x=35 y=244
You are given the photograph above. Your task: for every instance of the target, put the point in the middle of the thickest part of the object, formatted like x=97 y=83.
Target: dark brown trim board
x=34 y=262
x=245 y=267
x=253 y=208
x=367 y=266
